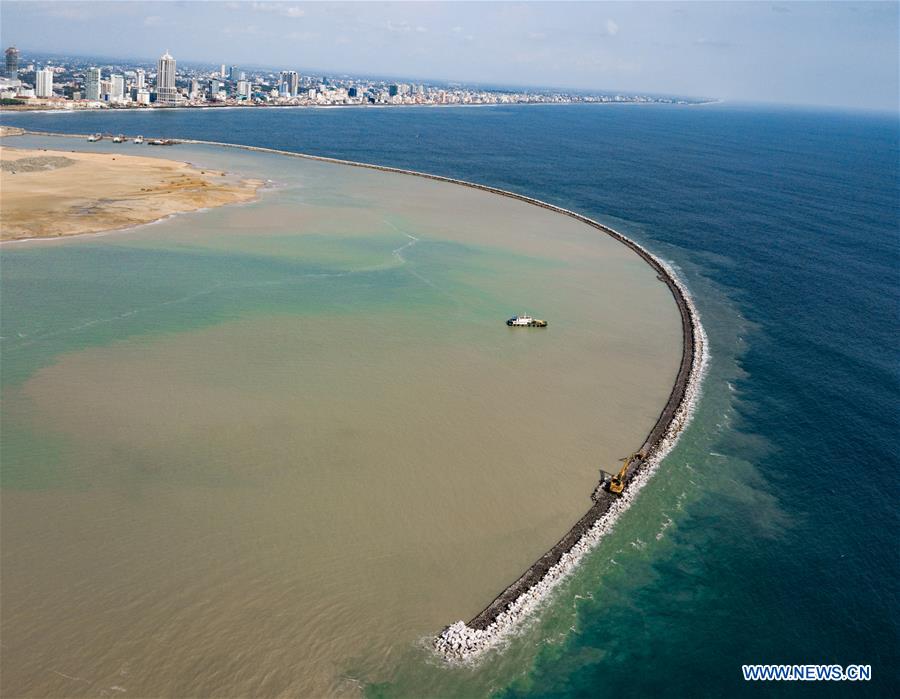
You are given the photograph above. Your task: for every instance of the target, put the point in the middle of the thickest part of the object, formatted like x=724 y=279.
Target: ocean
x=770 y=533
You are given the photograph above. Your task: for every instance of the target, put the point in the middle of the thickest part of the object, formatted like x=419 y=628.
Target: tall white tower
x=44 y=83
x=117 y=88
x=165 y=80
x=92 y=84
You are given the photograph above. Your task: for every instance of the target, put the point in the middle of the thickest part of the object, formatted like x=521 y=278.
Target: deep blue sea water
x=784 y=544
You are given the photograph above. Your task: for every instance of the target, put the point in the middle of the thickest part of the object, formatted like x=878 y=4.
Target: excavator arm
x=617 y=482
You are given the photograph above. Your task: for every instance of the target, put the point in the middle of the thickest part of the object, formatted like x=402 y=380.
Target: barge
x=526 y=321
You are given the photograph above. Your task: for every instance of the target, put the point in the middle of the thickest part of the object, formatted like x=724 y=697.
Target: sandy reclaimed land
x=46 y=194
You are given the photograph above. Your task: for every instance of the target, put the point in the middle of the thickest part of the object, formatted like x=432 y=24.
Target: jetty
x=603 y=499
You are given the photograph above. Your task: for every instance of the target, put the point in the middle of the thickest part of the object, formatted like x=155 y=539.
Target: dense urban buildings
x=74 y=83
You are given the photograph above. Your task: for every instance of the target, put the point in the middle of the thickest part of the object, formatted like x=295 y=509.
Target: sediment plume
x=466 y=642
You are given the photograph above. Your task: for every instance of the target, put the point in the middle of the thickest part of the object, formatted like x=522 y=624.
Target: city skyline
x=759 y=52
x=78 y=83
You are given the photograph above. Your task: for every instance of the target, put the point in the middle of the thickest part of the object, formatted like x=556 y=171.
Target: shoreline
x=463 y=641
x=64 y=110
x=123 y=229
x=49 y=194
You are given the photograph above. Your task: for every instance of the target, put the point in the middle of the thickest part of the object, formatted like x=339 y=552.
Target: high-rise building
x=92 y=84
x=12 y=63
x=140 y=79
x=233 y=73
x=195 y=88
x=243 y=88
x=116 y=88
x=165 y=80
x=222 y=72
x=43 y=84
x=290 y=83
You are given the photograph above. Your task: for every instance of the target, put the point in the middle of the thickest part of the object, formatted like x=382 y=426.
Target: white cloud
x=70 y=10
x=611 y=27
x=278 y=8
x=404 y=27
x=153 y=21
x=397 y=27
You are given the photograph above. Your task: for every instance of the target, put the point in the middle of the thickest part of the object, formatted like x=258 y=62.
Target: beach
x=55 y=193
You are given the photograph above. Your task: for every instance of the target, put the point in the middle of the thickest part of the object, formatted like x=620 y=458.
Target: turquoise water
x=770 y=535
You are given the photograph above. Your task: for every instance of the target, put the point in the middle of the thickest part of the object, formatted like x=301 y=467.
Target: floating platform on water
x=526 y=322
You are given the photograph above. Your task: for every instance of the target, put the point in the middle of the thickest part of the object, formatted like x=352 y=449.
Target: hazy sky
x=797 y=52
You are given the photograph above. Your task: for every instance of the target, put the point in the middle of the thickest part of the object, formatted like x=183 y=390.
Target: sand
x=45 y=194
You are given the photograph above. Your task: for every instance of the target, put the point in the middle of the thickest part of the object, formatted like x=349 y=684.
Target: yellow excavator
x=617 y=482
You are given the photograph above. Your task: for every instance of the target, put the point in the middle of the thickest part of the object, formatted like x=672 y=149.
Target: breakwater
x=463 y=641
x=467 y=641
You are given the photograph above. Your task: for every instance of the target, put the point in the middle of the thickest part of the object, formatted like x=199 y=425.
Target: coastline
x=52 y=194
x=63 y=110
x=462 y=641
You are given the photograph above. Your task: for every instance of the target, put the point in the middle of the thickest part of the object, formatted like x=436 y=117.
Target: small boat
x=526 y=321
x=119 y=139
x=95 y=137
x=139 y=140
x=162 y=142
